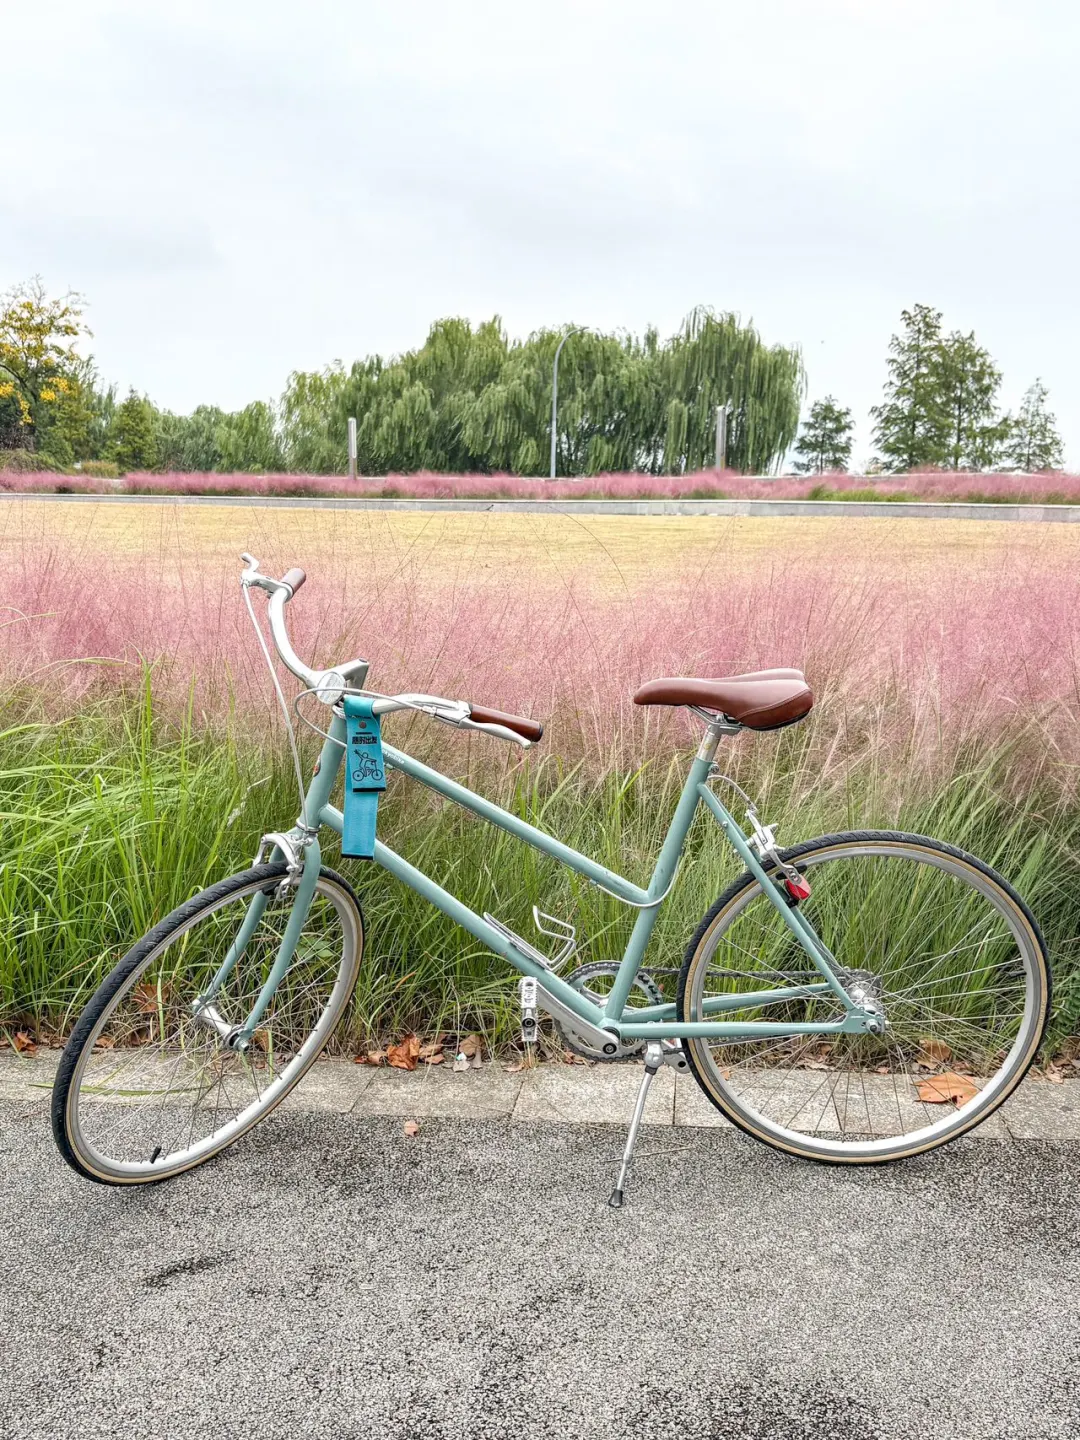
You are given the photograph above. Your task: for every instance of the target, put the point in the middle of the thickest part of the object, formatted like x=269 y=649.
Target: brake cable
x=284 y=706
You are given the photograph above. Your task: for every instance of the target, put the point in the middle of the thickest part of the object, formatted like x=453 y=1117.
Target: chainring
x=643 y=984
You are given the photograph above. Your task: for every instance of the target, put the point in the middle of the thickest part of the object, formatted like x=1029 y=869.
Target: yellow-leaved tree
x=39 y=364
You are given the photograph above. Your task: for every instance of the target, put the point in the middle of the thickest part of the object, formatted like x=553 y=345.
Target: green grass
x=115 y=816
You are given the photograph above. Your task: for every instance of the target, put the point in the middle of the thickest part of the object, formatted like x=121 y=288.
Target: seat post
x=714 y=728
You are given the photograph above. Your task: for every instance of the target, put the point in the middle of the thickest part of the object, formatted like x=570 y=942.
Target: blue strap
x=365 y=777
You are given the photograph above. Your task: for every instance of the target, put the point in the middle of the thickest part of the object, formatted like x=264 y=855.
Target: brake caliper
x=797 y=886
x=763 y=841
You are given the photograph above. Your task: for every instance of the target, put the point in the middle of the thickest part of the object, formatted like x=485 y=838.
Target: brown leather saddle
x=762 y=700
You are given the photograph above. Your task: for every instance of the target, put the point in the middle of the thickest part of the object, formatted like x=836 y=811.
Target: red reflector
x=799 y=888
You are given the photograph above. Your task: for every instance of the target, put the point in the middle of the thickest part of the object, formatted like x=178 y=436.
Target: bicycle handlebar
x=331 y=685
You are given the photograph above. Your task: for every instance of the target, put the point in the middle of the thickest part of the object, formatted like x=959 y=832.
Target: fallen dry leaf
x=936 y=1051
x=817 y=1059
x=432 y=1052
x=104 y=1042
x=472 y=1045
x=147 y=996
x=261 y=1038
x=523 y=1062
x=569 y=1058
x=1054 y=1075
x=434 y=1059
x=938 y=1089
x=411 y=1128
x=405 y=1055
x=24 y=1043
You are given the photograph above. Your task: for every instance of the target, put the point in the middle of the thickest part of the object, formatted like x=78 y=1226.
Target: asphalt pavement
x=331 y=1276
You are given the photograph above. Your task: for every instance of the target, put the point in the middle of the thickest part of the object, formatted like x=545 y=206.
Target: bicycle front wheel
x=147 y=1087
x=936 y=939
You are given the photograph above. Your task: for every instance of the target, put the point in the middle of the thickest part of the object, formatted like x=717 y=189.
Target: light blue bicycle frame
x=653 y=1022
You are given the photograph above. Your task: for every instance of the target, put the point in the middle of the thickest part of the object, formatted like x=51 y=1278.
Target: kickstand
x=654 y=1058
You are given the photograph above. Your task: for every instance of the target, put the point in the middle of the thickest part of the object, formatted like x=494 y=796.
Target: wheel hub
x=864 y=988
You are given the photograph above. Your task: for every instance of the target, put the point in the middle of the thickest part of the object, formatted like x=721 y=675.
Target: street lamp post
x=574 y=330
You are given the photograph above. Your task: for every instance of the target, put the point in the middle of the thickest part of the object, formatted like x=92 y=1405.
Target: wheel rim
x=156 y=1091
x=953 y=961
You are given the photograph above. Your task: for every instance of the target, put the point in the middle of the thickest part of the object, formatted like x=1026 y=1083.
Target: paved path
x=330 y=1276
x=883 y=509
x=574 y=1094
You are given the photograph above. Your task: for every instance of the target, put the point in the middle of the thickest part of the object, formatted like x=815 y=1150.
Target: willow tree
x=716 y=360
x=473 y=400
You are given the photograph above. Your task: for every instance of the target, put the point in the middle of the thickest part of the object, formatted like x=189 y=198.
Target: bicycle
x=808 y=1015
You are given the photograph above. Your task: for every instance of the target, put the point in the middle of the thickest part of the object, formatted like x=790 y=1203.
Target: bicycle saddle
x=762 y=700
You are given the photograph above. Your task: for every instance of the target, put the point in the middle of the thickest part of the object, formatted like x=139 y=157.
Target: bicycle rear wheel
x=935 y=937
x=146 y=1088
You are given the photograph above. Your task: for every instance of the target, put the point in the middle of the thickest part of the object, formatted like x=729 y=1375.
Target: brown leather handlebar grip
x=527 y=729
x=294 y=578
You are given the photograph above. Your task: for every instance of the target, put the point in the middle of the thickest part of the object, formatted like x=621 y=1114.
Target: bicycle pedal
x=530 y=1023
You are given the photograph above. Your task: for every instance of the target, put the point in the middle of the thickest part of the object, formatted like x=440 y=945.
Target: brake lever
x=462 y=722
x=501 y=732
x=253 y=577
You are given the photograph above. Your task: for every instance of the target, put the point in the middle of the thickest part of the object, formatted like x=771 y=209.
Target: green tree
x=912 y=422
x=472 y=399
x=968 y=382
x=249 y=440
x=1033 y=441
x=39 y=364
x=132 y=439
x=67 y=431
x=825 y=442
x=189 y=442
x=211 y=439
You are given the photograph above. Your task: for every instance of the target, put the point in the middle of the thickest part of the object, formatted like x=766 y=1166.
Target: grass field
x=141 y=757
x=556 y=545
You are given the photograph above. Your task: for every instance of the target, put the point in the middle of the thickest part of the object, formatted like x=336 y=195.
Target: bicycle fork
x=304 y=862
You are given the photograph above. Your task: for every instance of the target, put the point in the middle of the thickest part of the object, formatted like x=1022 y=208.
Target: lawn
x=141 y=756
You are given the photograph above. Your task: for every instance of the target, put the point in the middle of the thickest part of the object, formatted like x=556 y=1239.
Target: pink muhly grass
x=913 y=673
x=930 y=486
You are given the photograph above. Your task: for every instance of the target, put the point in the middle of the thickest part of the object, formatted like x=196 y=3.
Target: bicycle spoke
x=949 y=973
x=168 y=1085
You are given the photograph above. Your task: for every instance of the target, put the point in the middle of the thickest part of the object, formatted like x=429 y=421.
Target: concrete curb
x=866 y=509
x=551 y=1094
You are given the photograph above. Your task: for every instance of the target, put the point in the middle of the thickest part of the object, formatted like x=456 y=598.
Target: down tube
x=460 y=913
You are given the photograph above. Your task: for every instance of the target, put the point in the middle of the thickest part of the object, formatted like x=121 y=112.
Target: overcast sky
x=242 y=189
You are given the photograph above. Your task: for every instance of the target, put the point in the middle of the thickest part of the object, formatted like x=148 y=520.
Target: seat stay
x=792 y=917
